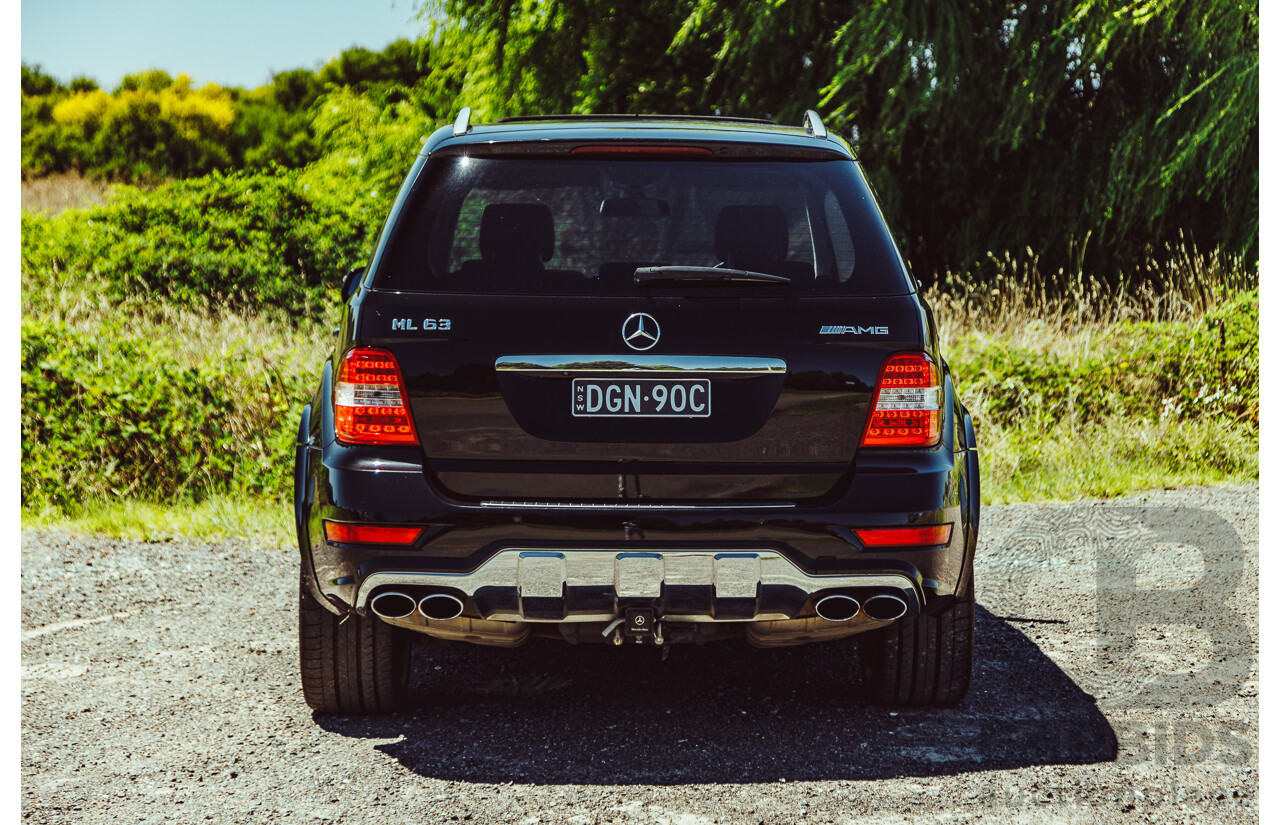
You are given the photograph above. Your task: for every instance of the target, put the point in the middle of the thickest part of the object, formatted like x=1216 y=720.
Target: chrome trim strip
x=629 y=504
x=566 y=364
x=541 y=573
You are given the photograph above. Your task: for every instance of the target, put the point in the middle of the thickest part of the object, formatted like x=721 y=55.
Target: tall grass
x=1025 y=303
x=1079 y=387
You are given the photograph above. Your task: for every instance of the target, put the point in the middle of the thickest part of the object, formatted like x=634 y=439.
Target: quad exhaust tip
x=884 y=607
x=391 y=604
x=440 y=606
x=837 y=608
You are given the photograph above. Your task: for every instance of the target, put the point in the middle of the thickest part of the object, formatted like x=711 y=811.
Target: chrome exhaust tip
x=885 y=608
x=837 y=608
x=440 y=606
x=391 y=604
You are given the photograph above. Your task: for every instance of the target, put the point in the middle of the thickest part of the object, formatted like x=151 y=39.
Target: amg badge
x=839 y=330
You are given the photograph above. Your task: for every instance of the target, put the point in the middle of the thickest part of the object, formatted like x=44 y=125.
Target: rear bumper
x=521 y=585
x=475 y=549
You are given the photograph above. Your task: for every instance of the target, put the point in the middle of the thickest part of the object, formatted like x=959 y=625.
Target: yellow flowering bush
x=195 y=111
x=85 y=109
x=153 y=126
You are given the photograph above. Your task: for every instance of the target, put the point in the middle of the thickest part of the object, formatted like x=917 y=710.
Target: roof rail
x=813 y=125
x=463 y=124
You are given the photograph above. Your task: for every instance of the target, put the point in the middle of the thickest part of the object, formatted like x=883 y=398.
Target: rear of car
x=635 y=381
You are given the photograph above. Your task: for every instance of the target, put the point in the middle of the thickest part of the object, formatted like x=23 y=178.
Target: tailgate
x=542 y=398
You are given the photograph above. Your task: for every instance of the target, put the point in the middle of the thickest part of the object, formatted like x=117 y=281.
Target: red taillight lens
x=370 y=533
x=905 y=536
x=369 y=403
x=907 y=411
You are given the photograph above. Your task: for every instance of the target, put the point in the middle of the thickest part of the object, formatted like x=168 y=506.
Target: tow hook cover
x=640 y=622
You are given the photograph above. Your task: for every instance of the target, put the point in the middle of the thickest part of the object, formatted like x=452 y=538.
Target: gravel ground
x=1115 y=681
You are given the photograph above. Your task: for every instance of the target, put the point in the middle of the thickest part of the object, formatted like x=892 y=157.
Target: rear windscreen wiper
x=647 y=275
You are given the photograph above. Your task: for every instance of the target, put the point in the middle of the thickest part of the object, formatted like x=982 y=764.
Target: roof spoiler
x=812 y=126
x=812 y=123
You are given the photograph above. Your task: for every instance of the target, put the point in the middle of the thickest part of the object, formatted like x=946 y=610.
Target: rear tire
x=922 y=660
x=352 y=665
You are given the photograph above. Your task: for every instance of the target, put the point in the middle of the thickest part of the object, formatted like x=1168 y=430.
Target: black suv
x=635 y=380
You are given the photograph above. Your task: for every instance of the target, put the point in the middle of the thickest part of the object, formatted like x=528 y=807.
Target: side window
x=841 y=240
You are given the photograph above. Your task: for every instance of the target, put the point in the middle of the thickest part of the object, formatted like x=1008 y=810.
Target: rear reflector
x=605 y=149
x=370 y=533
x=369 y=404
x=908 y=406
x=905 y=536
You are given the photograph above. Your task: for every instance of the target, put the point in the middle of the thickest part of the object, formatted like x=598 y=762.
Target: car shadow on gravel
x=552 y=713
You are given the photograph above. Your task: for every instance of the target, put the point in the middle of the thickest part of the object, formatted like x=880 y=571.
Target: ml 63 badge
x=411 y=324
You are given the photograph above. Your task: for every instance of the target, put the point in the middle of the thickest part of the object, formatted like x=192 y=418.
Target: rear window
x=577 y=226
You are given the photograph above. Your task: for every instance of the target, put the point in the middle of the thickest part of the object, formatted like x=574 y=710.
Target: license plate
x=641 y=398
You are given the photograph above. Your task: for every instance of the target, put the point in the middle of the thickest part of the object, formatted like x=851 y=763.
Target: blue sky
x=232 y=42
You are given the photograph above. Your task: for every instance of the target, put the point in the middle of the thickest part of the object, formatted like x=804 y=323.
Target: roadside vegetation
x=179 y=270
x=1102 y=390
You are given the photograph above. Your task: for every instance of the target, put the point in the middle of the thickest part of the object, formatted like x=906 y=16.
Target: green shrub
x=112 y=413
x=242 y=240
x=1206 y=368
x=367 y=149
x=36 y=82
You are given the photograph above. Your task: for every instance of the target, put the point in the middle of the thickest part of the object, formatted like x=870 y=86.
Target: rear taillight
x=369 y=402
x=346 y=532
x=907 y=411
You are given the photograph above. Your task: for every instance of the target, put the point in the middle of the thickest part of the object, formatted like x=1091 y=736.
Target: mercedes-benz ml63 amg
x=636 y=380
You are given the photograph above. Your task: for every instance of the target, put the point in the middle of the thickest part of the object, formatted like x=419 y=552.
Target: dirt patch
x=65 y=190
